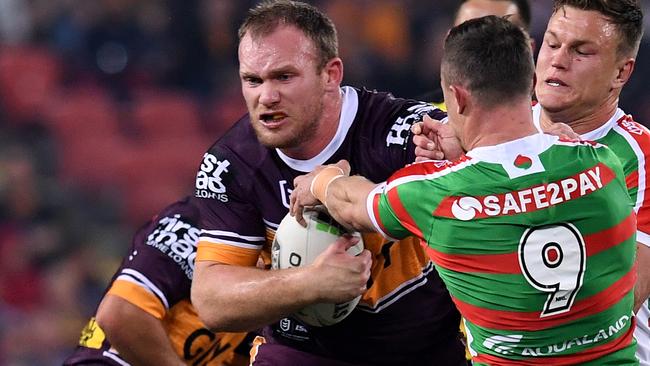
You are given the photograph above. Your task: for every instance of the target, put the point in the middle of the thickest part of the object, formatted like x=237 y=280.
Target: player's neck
x=328 y=124
x=499 y=125
x=581 y=121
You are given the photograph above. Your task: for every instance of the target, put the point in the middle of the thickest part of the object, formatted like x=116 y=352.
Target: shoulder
x=179 y=218
x=388 y=118
x=428 y=170
x=239 y=140
x=384 y=105
x=230 y=161
x=634 y=133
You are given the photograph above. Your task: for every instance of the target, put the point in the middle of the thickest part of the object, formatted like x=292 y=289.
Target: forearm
x=137 y=335
x=642 y=287
x=346 y=202
x=233 y=298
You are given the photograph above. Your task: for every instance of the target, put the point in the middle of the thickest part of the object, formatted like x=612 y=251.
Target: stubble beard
x=300 y=135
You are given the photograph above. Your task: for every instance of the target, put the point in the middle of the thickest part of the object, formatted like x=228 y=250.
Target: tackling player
x=587 y=56
x=533 y=235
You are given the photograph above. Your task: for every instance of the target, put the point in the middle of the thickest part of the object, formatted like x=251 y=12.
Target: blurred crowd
x=106 y=108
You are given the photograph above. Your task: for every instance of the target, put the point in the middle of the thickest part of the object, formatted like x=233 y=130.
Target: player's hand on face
x=561 y=130
x=435 y=140
x=301 y=195
x=341 y=276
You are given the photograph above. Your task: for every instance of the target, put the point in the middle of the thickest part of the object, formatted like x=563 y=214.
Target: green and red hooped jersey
x=535 y=240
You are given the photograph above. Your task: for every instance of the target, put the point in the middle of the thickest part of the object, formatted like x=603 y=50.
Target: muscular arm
x=642 y=287
x=235 y=298
x=137 y=335
x=346 y=202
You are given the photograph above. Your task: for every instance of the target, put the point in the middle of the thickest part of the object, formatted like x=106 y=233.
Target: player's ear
x=333 y=73
x=624 y=71
x=460 y=95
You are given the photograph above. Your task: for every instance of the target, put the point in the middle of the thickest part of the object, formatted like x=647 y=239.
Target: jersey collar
x=349 y=109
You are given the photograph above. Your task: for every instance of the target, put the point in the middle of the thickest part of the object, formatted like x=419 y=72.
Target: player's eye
x=251 y=80
x=284 y=77
x=553 y=45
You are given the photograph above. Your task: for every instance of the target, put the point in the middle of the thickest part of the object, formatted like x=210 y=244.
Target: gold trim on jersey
x=138 y=296
x=393 y=265
x=224 y=253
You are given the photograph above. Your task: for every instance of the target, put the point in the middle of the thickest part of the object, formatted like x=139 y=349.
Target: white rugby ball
x=296 y=246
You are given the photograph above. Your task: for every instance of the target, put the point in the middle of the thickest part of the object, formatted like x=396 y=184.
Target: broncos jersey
x=156 y=276
x=406 y=316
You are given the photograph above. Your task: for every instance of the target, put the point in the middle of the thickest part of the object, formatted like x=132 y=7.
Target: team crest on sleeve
x=210 y=178
x=399 y=133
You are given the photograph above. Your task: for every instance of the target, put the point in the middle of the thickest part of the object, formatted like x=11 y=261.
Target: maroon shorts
x=267 y=354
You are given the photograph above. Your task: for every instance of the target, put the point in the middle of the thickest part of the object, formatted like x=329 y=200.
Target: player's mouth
x=272 y=120
x=555 y=83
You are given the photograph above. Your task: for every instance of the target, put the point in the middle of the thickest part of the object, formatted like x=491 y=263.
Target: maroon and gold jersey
x=156 y=276
x=406 y=316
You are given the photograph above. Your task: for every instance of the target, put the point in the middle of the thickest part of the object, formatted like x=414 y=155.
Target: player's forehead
x=479 y=8
x=570 y=24
x=282 y=48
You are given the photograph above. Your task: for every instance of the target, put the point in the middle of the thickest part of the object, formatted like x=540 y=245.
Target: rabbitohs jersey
x=535 y=240
x=630 y=141
x=245 y=187
x=156 y=277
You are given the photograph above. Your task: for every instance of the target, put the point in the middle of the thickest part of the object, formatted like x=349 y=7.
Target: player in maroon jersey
x=300 y=117
x=146 y=317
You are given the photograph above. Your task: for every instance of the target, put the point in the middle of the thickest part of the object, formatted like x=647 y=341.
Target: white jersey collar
x=593 y=135
x=349 y=109
x=518 y=157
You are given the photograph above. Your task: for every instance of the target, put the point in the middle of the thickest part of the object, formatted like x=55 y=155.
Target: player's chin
x=553 y=102
x=275 y=139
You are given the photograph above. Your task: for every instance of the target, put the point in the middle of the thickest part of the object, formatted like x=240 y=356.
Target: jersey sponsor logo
x=516 y=344
x=202 y=346
x=529 y=199
x=630 y=126
x=399 y=133
x=177 y=239
x=502 y=344
x=209 y=179
x=291 y=329
x=588 y=340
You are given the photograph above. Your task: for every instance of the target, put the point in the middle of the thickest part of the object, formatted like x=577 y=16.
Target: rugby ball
x=295 y=246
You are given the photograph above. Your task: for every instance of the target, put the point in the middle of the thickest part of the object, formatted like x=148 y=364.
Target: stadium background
x=106 y=108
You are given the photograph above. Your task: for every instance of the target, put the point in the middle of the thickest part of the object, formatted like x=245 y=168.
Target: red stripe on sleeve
x=402 y=214
x=632 y=180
